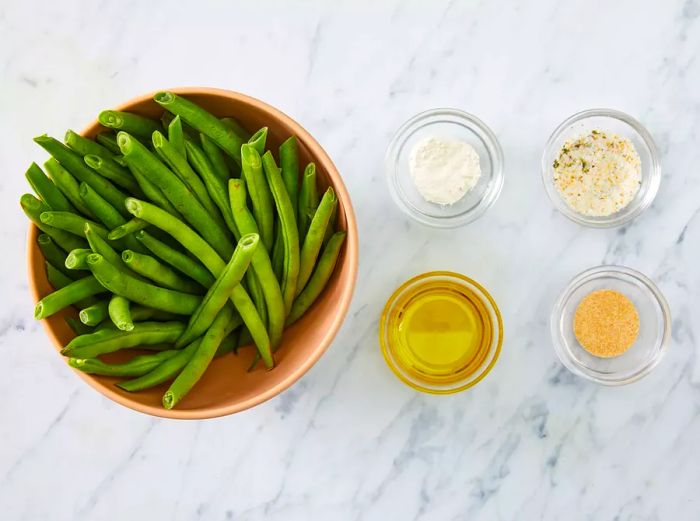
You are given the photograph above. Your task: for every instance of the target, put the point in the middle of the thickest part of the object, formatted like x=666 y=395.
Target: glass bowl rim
x=653 y=180
x=615 y=271
x=468 y=121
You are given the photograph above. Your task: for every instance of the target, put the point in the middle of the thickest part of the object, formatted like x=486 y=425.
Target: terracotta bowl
x=227 y=387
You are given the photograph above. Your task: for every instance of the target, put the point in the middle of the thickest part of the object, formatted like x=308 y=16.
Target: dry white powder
x=443 y=170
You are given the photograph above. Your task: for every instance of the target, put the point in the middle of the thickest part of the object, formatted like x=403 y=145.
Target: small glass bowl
x=443 y=383
x=654 y=326
x=445 y=123
x=609 y=121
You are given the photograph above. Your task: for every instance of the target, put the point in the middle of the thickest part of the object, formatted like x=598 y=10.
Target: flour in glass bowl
x=444 y=170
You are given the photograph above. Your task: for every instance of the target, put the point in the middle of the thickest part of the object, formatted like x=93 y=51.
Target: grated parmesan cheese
x=598 y=174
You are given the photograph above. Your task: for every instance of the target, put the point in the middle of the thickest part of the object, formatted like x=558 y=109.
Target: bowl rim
x=494 y=349
x=468 y=121
x=653 y=180
x=557 y=317
x=351 y=253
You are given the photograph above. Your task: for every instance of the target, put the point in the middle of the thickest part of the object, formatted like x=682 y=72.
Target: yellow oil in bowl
x=441 y=332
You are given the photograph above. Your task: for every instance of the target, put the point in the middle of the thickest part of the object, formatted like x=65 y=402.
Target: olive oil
x=440 y=332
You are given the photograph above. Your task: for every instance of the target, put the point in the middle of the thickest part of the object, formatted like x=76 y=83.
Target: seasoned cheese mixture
x=598 y=174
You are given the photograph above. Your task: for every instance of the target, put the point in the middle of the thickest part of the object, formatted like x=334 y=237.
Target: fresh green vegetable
x=67 y=184
x=110 y=339
x=109 y=141
x=200 y=360
x=114 y=172
x=137 y=366
x=132 y=226
x=119 y=311
x=33 y=208
x=218 y=295
x=95 y=314
x=314 y=237
x=143 y=293
x=289 y=163
x=129 y=122
x=76 y=166
x=202 y=121
x=165 y=371
x=56 y=278
x=259 y=192
x=71 y=222
x=162 y=275
x=319 y=279
x=84 y=146
x=237 y=128
x=308 y=200
x=258 y=140
x=67 y=295
x=77 y=259
x=42 y=185
x=177 y=193
x=53 y=254
x=262 y=266
x=216 y=158
x=176 y=135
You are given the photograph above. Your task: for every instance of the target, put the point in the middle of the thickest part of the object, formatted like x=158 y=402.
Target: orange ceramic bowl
x=227 y=387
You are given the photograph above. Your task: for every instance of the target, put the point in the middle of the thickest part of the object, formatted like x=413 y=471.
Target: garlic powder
x=598 y=174
x=444 y=170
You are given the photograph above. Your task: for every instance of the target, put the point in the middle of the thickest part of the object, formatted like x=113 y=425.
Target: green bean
x=151 y=191
x=202 y=357
x=143 y=293
x=314 y=237
x=176 y=135
x=236 y=127
x=54 y=255
x=77 y=326
x=258 y=140
x=109 y=141
x=262 y=266
x=105 y=212
x=216 y=158
x=252 y=286
x=119 y=310
x=71 y=222
x=95 y=314
x=134 y=124
x=56 y=278
x=177 y=193
x=110 y=339
x=132 y=226
x=33 y=208
x=202 y=121
x=290 y=233
x=84 y=146
x=207 y=256
x=67 y=184
x=76 y=166
x=98 y=244
x=215 y=186
x=67 y=295
x=219 y=293
x=137 y=366
x=278 y=254
x=165 y=371
x=319 y=279
x=308 y=200
x=42 y=185
x=77 y=259
x=330 y=229
x=179 y=165
x=141 y=313
x=176 y=259
x=114 y=172
x=289 y=163
x=259 y=193
x=150 y=268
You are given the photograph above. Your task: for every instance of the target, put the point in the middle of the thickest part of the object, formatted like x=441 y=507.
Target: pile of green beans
x=179 y=239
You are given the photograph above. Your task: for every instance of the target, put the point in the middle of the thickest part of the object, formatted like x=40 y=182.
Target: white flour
x=443 y=170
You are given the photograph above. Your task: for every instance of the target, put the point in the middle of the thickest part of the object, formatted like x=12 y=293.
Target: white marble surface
x=349 y=441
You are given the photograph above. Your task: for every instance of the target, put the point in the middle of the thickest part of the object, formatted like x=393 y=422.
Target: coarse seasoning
x=598 y=174
x=606 y=323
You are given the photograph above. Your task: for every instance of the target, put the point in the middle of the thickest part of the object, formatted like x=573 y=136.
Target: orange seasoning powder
x=606 y=323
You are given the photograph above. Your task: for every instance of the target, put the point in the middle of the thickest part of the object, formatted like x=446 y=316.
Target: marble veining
x=349 y=441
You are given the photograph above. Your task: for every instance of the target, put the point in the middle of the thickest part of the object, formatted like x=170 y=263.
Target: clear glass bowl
x=453 y=124
x=609 y=121
x=440 y=382
x=654 y=326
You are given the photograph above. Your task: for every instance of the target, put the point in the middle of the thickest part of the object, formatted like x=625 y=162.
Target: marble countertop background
x=349 y=441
